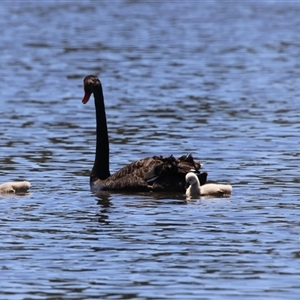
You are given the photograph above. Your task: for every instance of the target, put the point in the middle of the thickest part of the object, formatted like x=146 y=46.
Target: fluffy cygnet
x=15 y=187
x=194 y=190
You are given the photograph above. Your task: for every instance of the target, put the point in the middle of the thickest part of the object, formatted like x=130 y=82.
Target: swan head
x=191 y=179
x=90 y=83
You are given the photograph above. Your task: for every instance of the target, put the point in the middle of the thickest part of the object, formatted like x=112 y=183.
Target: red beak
x=86 y=98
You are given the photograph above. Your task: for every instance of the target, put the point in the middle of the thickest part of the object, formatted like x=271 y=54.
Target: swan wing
x=155 y=173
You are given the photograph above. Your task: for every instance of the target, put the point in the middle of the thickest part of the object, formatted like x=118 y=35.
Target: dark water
x=218 y=79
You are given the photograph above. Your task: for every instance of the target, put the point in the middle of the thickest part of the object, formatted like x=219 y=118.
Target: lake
x=218 y=79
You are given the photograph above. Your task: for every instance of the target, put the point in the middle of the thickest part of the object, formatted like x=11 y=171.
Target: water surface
x=217 y=79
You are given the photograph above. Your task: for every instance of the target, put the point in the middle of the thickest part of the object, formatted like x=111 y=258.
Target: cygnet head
x=191 y=179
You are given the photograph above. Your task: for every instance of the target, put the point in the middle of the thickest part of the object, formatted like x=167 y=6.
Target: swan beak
x=187 y=185
x=86 y=97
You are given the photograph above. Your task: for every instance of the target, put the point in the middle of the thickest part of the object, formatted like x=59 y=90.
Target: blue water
x=219 y=79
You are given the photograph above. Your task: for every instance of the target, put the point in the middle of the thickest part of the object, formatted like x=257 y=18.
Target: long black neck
x=101 y=165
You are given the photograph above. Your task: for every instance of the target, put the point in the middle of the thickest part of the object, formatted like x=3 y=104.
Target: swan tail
x=186 y=164
x=202 y=177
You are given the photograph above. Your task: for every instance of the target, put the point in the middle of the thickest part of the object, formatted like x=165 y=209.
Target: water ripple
x=200 y=78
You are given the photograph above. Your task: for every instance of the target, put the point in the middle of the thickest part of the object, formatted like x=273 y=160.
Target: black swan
x=194 y=189
x=157 y=173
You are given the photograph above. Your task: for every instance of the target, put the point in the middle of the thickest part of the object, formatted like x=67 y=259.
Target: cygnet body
x=15 y=187
x=194 y=190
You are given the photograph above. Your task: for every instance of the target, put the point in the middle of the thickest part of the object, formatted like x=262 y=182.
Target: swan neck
x=101 y=165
